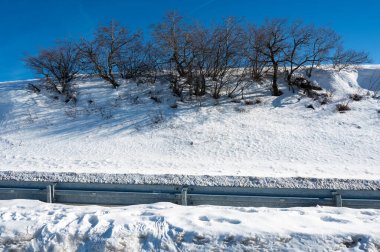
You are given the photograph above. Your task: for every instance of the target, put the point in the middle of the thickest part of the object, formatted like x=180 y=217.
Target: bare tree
x=256 y=60
x=173 y=39
x=198 y=71
x=297 y=54
x=100 y=55
x=225 y=58
x=226 y=52
x=323 y=41
x=138 y=60
x=274 y=43
x=345 y=59
x=130 y=61
x=59 y=65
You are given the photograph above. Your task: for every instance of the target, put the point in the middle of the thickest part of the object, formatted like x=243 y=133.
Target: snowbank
x=35 y=226
x=191 y=180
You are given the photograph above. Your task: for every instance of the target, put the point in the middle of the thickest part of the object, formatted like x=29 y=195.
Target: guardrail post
x=50 y=193
x=338 y=199
x=184 y=196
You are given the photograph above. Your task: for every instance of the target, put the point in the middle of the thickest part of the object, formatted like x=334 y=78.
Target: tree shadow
x=287 y=98
x=99 y=109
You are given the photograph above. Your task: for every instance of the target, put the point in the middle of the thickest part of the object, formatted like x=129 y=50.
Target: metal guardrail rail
x=129 y=194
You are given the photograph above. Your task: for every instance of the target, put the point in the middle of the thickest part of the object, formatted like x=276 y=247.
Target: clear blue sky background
x=29 y=25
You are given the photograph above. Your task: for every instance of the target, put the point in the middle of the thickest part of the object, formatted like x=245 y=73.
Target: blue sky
x=29 y=25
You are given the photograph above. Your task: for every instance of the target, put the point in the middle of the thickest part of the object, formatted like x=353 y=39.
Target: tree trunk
x=203 y=85
x=289 y=80
x=114 y=84
x=276 y=91
x=310 y=70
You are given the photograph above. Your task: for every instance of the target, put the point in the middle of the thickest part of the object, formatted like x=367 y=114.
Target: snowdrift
x=36 y=226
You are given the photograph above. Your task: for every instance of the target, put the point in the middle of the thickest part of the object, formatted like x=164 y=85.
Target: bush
x=249 y=102
x=106 y=52
x=59 y=66
x=343 y=107
x=155 y=98
x=325 y=98
x=356 y=97
x=258 y=101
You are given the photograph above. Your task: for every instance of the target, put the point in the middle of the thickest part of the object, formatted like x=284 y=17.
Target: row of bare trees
x=114 y=53
x=223 y=58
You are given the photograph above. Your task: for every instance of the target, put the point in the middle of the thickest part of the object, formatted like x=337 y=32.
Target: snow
x=123 y=131
x=28 y=225
x=194 y=180
x=123 y=136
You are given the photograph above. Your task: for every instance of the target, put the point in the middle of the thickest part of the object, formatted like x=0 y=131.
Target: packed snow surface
x=35 y=226
x=124 y=131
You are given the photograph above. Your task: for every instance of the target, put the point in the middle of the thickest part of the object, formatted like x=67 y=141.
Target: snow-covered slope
x=36 y=226
x=124 y=131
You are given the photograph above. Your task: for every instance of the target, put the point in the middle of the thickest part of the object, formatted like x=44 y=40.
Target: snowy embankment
x=124 y=136
x=35 y=226
x=124 y=131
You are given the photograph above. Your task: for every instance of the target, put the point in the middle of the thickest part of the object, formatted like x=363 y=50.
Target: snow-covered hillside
x=125 y=131
x=36 y=226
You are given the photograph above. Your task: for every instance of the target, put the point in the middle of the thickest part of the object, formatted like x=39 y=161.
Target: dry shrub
x=155 y=98
x=249 y=102
x=356 y=97
x=324 y=98
x=343 y=107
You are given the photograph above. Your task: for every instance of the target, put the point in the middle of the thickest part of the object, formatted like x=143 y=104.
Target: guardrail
x=130 y=194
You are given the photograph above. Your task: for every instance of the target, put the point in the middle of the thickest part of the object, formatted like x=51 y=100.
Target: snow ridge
x=193 y=180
